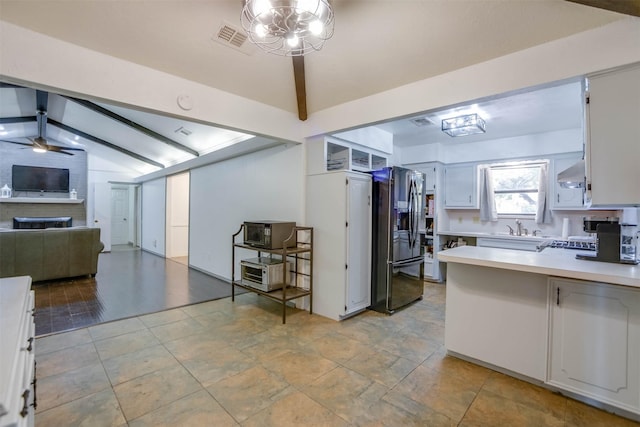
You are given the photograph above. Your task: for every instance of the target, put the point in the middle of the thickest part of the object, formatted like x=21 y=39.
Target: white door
x=595 y=341
x=358 y=243
x=102 y=212
x=119 y=215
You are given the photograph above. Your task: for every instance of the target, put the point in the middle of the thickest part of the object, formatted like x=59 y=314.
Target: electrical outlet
x=155 y=243
x=459 y=220
x=476 y=220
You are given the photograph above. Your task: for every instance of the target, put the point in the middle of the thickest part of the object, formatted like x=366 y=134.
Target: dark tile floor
x=129 y=283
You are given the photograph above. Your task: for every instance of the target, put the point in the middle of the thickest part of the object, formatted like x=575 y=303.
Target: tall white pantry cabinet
x=338 y=206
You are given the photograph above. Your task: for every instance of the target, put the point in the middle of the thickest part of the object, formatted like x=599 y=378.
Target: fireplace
x=22 y=223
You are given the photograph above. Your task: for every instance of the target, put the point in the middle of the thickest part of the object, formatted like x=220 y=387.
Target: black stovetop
x=571 y=244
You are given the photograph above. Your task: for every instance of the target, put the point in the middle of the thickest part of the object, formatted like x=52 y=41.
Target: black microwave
x=269 y=234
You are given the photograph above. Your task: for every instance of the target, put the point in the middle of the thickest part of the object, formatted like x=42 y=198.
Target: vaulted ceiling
x=378 y=45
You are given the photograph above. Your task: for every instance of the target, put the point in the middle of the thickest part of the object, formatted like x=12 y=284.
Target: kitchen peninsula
x=549 y=318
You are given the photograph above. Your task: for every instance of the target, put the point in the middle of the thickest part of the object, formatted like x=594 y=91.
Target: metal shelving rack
x=302 y=252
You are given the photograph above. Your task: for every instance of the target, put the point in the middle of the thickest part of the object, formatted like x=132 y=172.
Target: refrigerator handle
x=417 y=212
x=413 y=214
x=411 y=225
x=404 y=263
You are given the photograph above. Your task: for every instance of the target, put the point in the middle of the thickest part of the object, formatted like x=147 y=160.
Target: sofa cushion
x=83 y=251
x=55 y=256
x=7 y=254
x=29 y=249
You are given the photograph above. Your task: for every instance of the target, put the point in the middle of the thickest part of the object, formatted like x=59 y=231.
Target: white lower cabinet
x=17 y=362
x=338 y=207
x=498 y=317
x=520 y=243
x=594 y=341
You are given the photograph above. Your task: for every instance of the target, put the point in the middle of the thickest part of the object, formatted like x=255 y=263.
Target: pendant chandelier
x=288 y=27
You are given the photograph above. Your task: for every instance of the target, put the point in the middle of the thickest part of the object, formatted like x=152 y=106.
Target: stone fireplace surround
x=36 y=204
x=8 y=211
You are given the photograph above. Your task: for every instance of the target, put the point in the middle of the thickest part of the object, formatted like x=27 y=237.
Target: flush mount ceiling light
x=463 y=125
x=288 y=27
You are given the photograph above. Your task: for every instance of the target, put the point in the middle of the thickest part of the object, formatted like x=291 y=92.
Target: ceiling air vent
x=233 y=37
x=421 y=121
x=183 y=131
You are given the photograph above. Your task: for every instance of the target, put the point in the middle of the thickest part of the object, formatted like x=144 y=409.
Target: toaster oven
x=264 y=273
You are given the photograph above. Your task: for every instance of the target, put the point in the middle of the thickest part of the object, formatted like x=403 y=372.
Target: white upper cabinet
x=565 y=198
x=613 y=138
x=330 y=154
x=429 y=178
x=461 y=187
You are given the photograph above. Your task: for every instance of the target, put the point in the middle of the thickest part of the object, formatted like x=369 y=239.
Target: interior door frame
x=135 y=210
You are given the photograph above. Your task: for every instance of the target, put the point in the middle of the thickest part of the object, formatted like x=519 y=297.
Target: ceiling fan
x=40 y=143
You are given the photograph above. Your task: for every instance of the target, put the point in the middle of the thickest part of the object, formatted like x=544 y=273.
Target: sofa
x=52 y=253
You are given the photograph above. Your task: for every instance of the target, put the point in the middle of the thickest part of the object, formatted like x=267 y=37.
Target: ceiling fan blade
x=39 y=142
x=17 y=142
x=66 y=148
x=626 y=7
x=56 y=149
x=301 y=90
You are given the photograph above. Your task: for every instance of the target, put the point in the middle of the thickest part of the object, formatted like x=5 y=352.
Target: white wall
x=101 y=170
x=265 y=185
x=539 y=144
x=177 y=215
x=153 y=216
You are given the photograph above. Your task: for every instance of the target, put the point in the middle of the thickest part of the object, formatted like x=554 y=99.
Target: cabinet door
x=337 y=157
x=613 y=134
x=358 y=289
x=565 y=198
x=461 y=187
x=429 y=179
x=498 y=317
x=595 y=341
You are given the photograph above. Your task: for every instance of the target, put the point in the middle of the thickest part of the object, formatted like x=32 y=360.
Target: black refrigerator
x=397 y=252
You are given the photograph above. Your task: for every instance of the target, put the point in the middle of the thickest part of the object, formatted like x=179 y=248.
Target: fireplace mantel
x=51 y=200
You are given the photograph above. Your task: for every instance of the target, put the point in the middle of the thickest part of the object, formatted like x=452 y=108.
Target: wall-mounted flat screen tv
x=36 y=178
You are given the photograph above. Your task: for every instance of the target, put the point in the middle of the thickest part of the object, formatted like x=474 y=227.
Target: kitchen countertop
x=550 y=262
x=497 y=235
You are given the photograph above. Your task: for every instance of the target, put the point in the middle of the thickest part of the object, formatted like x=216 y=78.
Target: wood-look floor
x=129 y=283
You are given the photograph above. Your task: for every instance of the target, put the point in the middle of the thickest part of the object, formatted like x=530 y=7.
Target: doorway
x=177 y=218
x=116 y=211
x=120 y=216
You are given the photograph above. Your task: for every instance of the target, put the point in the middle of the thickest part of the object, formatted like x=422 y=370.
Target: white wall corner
x=370 y=137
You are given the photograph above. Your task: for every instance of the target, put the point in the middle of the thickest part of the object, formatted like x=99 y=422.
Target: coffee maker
x=615 y=242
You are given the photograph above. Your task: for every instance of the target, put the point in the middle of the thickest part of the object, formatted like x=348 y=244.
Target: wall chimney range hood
x=573 y=176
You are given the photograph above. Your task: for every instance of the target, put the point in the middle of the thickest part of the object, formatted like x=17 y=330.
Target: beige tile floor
x=234 y=364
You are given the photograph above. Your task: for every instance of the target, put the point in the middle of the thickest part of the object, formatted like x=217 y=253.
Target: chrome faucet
x=518 y=227
x=510 y=230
